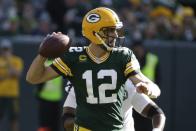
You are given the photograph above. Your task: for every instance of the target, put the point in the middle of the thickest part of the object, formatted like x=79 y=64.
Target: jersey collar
x=97 y=59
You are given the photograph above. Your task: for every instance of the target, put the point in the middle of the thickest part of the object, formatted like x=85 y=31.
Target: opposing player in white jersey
x=132 y=99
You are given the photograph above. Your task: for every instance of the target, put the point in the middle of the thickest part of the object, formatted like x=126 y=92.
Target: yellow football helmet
x=97 y=19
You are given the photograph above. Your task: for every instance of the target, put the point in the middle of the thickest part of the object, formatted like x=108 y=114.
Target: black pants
x=49 y=115
x=141 y=123
x=9 y=107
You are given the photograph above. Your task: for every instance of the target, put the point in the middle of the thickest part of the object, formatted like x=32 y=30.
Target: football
x=54 y=45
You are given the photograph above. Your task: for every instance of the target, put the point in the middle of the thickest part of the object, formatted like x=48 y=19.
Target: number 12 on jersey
x=102 y=88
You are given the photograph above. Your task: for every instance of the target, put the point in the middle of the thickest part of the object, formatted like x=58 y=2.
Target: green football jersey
x=98 y=84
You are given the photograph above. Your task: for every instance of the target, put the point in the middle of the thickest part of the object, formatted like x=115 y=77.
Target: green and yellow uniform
x=98 y=85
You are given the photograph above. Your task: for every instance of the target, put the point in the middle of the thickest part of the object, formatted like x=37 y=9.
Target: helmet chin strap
x=104 y=46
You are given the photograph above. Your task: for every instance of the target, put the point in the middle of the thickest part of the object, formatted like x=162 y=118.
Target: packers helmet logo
x=93 y=18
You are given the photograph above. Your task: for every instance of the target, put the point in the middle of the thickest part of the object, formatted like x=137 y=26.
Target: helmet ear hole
x=94 y=33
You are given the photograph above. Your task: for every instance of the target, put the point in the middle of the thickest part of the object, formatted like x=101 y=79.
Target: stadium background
x=25 y=23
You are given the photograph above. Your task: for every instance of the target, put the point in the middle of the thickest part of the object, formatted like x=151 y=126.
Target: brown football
x=54 y=45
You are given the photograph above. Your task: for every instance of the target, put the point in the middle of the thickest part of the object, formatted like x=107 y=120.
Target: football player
x=97 y=72
x=140 y=102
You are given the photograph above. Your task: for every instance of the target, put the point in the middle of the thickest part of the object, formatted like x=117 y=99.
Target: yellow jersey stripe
x=128 y=71
x=128 y=64
x=60 y=67
x=65 y=66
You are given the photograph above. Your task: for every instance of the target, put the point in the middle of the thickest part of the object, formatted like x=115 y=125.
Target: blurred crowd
x=146 y=19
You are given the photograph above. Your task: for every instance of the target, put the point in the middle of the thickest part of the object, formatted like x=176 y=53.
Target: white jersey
x=132 y=100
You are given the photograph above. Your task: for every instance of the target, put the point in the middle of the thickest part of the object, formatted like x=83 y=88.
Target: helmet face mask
x=109 y=36
x=100 y=26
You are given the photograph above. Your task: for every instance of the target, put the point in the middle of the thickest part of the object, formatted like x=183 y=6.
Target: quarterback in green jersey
x=140 y=102
x=97 y=72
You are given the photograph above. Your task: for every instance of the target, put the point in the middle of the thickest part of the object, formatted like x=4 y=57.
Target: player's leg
x=9 y=107
x=13 y=113
x=2 y=111
x=43 y=113
x=49 y=115
x=55 y=115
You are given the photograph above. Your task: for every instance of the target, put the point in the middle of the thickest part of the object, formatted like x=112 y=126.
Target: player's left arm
x=147 y=108
x=155 y=113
